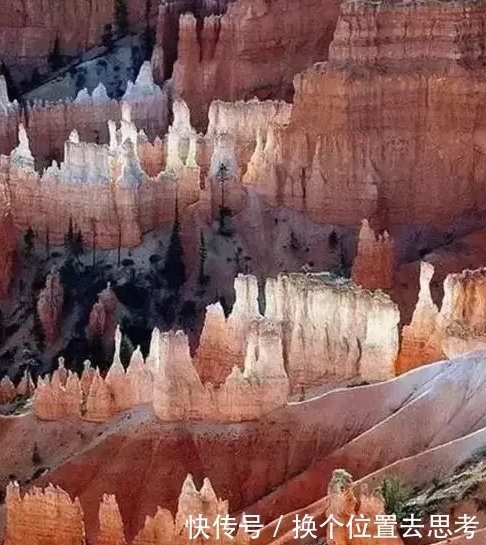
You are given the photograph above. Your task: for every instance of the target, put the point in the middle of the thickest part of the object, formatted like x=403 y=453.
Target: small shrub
x=127 y=262
x=394 y=495
x=36 y=458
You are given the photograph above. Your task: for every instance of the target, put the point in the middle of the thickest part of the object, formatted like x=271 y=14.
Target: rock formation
x=29 y=36
x=8 y=391
x=79 y=188
x=420 y=343
x=344 y=504
x=50 y=516
x=315 y=329
x=350 y=150
x=223 y=342
x=50 y=124
x=254 y=49
x=374 y=264
x=54 y=400
x=458 y=327
x=103 y=317
x=49 y=307
x=333 y=330
x=43 y=516
x=462 y=316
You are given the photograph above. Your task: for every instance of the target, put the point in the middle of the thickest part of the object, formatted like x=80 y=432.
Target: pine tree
x=121 y=17
x=29 y=239
x=202 y=259
x=55 y=59
x=175 y=270
x=78 y=244
x=222 y=177
x=107 y=38
x=94 y=235
x=69 y=236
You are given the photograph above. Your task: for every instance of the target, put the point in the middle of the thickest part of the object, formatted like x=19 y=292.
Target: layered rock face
x=395 y=76
x=28 y=32
x=49 y=124
x=333 y=330
x=462 y=315
x=101 y=188
x=254 y=49
x=458 y=327
x=43 y=516
x=330 y=330
x=167 y=30
x=50 y=516
x=314 y=330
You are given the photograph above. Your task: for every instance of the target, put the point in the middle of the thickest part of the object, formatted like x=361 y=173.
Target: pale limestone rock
x=144 y=84
x=332 y=329
x=21 y=156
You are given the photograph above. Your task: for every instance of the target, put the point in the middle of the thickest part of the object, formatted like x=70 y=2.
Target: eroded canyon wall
x=48 y=125
x=315 y=329
x=254 y=49
x=49 y=515
x=28 y=31
x=102 y=189
x=456 y=329
x=391 y=127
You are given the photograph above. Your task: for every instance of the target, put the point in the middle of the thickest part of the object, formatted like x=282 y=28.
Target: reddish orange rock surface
x=254 y=49
x=374 y=264
x=49 y=307
x=350 y=150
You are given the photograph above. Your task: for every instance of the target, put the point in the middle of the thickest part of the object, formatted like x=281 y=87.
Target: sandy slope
x=430 y=419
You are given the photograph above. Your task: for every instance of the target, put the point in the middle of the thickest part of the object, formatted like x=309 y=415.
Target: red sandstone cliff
x=28 y=31
x=350 y=150
x=254 y=49
x=456 y=329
